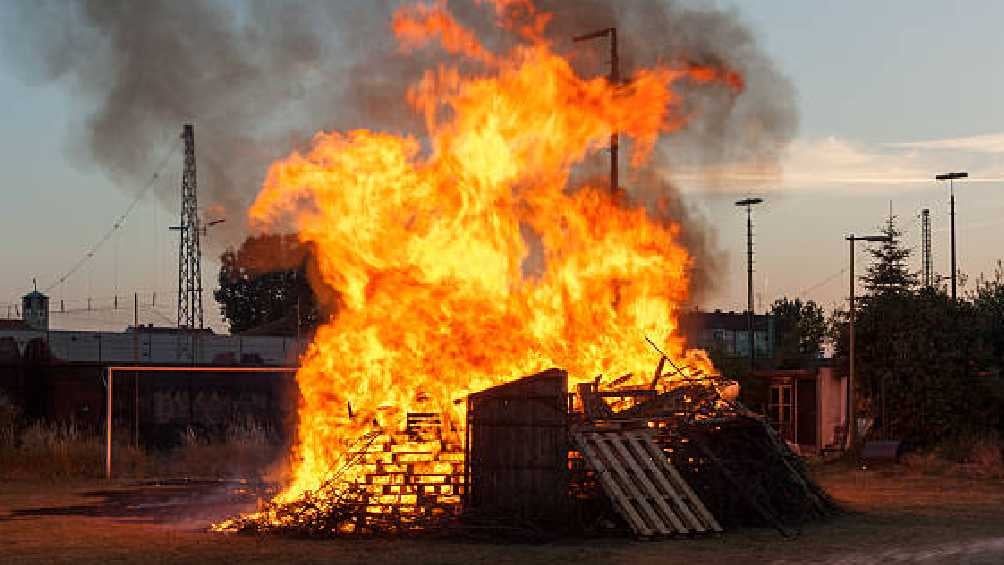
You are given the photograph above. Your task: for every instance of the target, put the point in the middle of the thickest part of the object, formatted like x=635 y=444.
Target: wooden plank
x=638 y=496
x=659 y=498
x=696 y=502
x=641 y=444
x=613 y=489
x=674 y=475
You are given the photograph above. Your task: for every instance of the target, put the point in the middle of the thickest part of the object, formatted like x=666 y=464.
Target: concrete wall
x=832 y=389
x=164 y=348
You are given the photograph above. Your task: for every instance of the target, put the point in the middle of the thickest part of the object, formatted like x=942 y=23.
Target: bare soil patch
x=892 y=515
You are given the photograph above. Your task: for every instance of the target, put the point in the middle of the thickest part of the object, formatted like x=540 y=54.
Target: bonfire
x=464 y=256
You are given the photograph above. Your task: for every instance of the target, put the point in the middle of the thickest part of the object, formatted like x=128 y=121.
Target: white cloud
x=988 y=143
x=834 y=163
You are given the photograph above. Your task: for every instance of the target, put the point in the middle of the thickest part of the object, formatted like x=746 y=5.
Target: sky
x=888 y=95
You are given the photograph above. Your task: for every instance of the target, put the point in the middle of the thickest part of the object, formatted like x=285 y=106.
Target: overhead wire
x=118 y=222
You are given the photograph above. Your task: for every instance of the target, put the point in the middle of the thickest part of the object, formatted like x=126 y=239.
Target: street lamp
x=615 y=79
x=950 y=177
x=851 y=417
x=749 y=203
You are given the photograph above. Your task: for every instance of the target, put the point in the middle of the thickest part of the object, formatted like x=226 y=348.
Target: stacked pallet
x=389 y=483
x=409 y=480
x=645 y=488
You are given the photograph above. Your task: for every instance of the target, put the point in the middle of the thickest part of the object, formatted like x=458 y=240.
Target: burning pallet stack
x=731 y=460
x=535 y=458
x=402 y=483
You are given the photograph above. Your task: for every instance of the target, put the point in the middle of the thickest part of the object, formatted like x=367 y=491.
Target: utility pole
x=135 y=360
x=749 y=203
x=615 y=80
x=852 y=431
x=925 y=246
x=950 y=177
x=189 y=251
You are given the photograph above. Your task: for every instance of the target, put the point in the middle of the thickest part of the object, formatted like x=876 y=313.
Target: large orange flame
x=463 y=258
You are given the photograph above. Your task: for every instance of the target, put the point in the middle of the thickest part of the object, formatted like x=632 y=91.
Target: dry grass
x=248 y=449
x=973 y=456
x=64 y=451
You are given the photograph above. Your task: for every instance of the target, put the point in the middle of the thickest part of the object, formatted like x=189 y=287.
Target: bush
x=248 y=449
x=967 y=454
x=63 y=450
x=10 y=414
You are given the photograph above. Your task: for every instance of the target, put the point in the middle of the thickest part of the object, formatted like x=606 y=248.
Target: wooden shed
x=517 y=449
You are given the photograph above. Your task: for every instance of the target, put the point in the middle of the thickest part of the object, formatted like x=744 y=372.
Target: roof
x=36 y=294
x=796 y=374
x=718 y=320
x=152 y=329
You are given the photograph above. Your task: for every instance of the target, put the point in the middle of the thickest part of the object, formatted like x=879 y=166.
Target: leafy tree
x=263 y=285
x=799 y=328
x=988 y=303
x=922 y=359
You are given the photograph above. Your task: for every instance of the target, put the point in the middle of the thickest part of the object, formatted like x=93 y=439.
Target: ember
x=464 y=259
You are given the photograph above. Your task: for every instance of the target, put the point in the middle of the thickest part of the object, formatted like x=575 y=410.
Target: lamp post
x=749 y=203
x=615 y=79
x=950 y=177
x=852 y=431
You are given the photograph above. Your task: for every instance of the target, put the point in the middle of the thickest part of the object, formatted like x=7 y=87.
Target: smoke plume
x=259 y=78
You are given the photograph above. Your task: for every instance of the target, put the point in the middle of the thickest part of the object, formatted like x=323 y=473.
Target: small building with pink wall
x=808 y=407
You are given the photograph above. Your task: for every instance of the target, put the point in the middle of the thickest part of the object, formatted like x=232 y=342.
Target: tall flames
x=463 y=258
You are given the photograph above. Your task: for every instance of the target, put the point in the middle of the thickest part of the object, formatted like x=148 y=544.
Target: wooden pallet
x=645 y=488
x=405 y=479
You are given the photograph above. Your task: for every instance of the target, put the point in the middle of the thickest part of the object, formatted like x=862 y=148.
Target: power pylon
x=925 y=244
x=189 y=251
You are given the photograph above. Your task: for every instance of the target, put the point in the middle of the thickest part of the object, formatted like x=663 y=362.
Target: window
x=780 y=411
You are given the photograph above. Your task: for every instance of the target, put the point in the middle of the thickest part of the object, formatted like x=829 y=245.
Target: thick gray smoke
x=258 y=78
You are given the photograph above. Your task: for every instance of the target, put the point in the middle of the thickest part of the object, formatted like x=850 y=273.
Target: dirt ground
x=893 y=517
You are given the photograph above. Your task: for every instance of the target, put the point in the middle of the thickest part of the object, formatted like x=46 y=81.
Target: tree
x=920 y=360
x=889 y=272
x=264 y=286
x=988 y=303
x=800 y=328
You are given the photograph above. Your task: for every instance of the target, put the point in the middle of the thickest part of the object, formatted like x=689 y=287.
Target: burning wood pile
x=684 y=461
x=388 y=484
x=472 y=252
x=731 y=459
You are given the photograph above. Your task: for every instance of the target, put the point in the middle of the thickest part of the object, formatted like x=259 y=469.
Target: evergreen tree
x=889 y=273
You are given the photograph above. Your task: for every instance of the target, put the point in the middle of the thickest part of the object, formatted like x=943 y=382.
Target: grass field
x=893 y=516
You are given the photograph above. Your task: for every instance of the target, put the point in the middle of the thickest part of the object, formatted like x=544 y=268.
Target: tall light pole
x=749 y=203
x=852 y=430
x=950 y=177
x=615 y=80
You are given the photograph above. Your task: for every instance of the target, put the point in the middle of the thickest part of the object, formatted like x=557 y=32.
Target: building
x=808 y=407
x=59 y=375
x=728 y=333
x=35 y=310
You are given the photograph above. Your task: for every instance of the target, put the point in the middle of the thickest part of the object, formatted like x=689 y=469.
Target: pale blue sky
x=889 y=93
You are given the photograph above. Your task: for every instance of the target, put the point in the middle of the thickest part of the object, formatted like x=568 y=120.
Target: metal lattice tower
x=925 y=243
x=189 y=251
